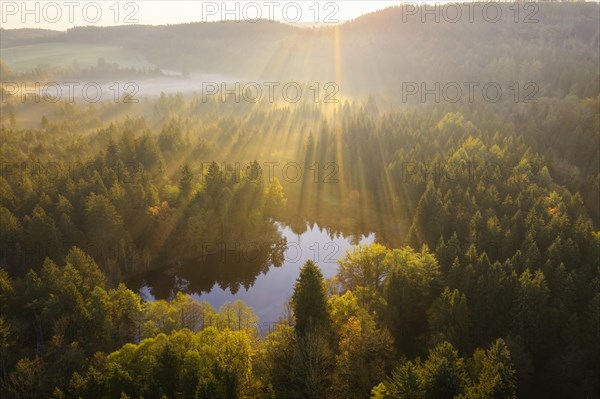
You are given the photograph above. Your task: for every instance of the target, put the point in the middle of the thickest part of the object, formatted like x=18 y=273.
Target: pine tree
x=497 y=378
x=430 y=217
x=185 y=182
x=404 y=383
x=309 y=300
x=449 y=315
x=443 y=374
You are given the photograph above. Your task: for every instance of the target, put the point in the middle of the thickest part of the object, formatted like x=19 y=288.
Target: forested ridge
x=554 y=45
x=483 y=282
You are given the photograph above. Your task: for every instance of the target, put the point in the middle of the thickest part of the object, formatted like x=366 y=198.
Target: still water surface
x=231 y=275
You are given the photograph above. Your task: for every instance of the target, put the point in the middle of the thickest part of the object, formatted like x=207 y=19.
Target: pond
x=263 y=281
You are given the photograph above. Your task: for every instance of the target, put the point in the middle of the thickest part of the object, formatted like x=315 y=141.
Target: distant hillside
x=21 y=37
x=63 y=55
x=213 y=47
x=379 y=51
x=373 y=54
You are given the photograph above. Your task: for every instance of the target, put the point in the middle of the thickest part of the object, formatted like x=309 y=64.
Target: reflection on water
x=260 y=274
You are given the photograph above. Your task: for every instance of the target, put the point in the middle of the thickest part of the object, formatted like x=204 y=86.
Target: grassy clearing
x=27 y=58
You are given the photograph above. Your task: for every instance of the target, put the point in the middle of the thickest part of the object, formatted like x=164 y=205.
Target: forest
x=483 y=280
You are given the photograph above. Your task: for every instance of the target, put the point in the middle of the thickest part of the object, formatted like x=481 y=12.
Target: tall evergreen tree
x=309 y=300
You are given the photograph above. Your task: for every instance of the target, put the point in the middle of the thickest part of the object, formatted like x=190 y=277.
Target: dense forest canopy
x=484 y=277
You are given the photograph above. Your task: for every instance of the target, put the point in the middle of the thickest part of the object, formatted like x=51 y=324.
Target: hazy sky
x=61 y=15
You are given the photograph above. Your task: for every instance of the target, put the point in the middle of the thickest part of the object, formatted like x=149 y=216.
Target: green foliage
x=404 y=383
x=237 y=316
x=209 y=362
x=364 y=266
x=278 y=358
x=531 y=315
x=309 y=300
x=430 y=217
x=364 y=354
x=186 y=183
x=449 y=317
x=275 y=198
x=409 y=291
x=506 y=193
x=444 y=375
x=497 y=378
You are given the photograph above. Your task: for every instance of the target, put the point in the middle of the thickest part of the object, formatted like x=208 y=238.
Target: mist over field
x=334 y=200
